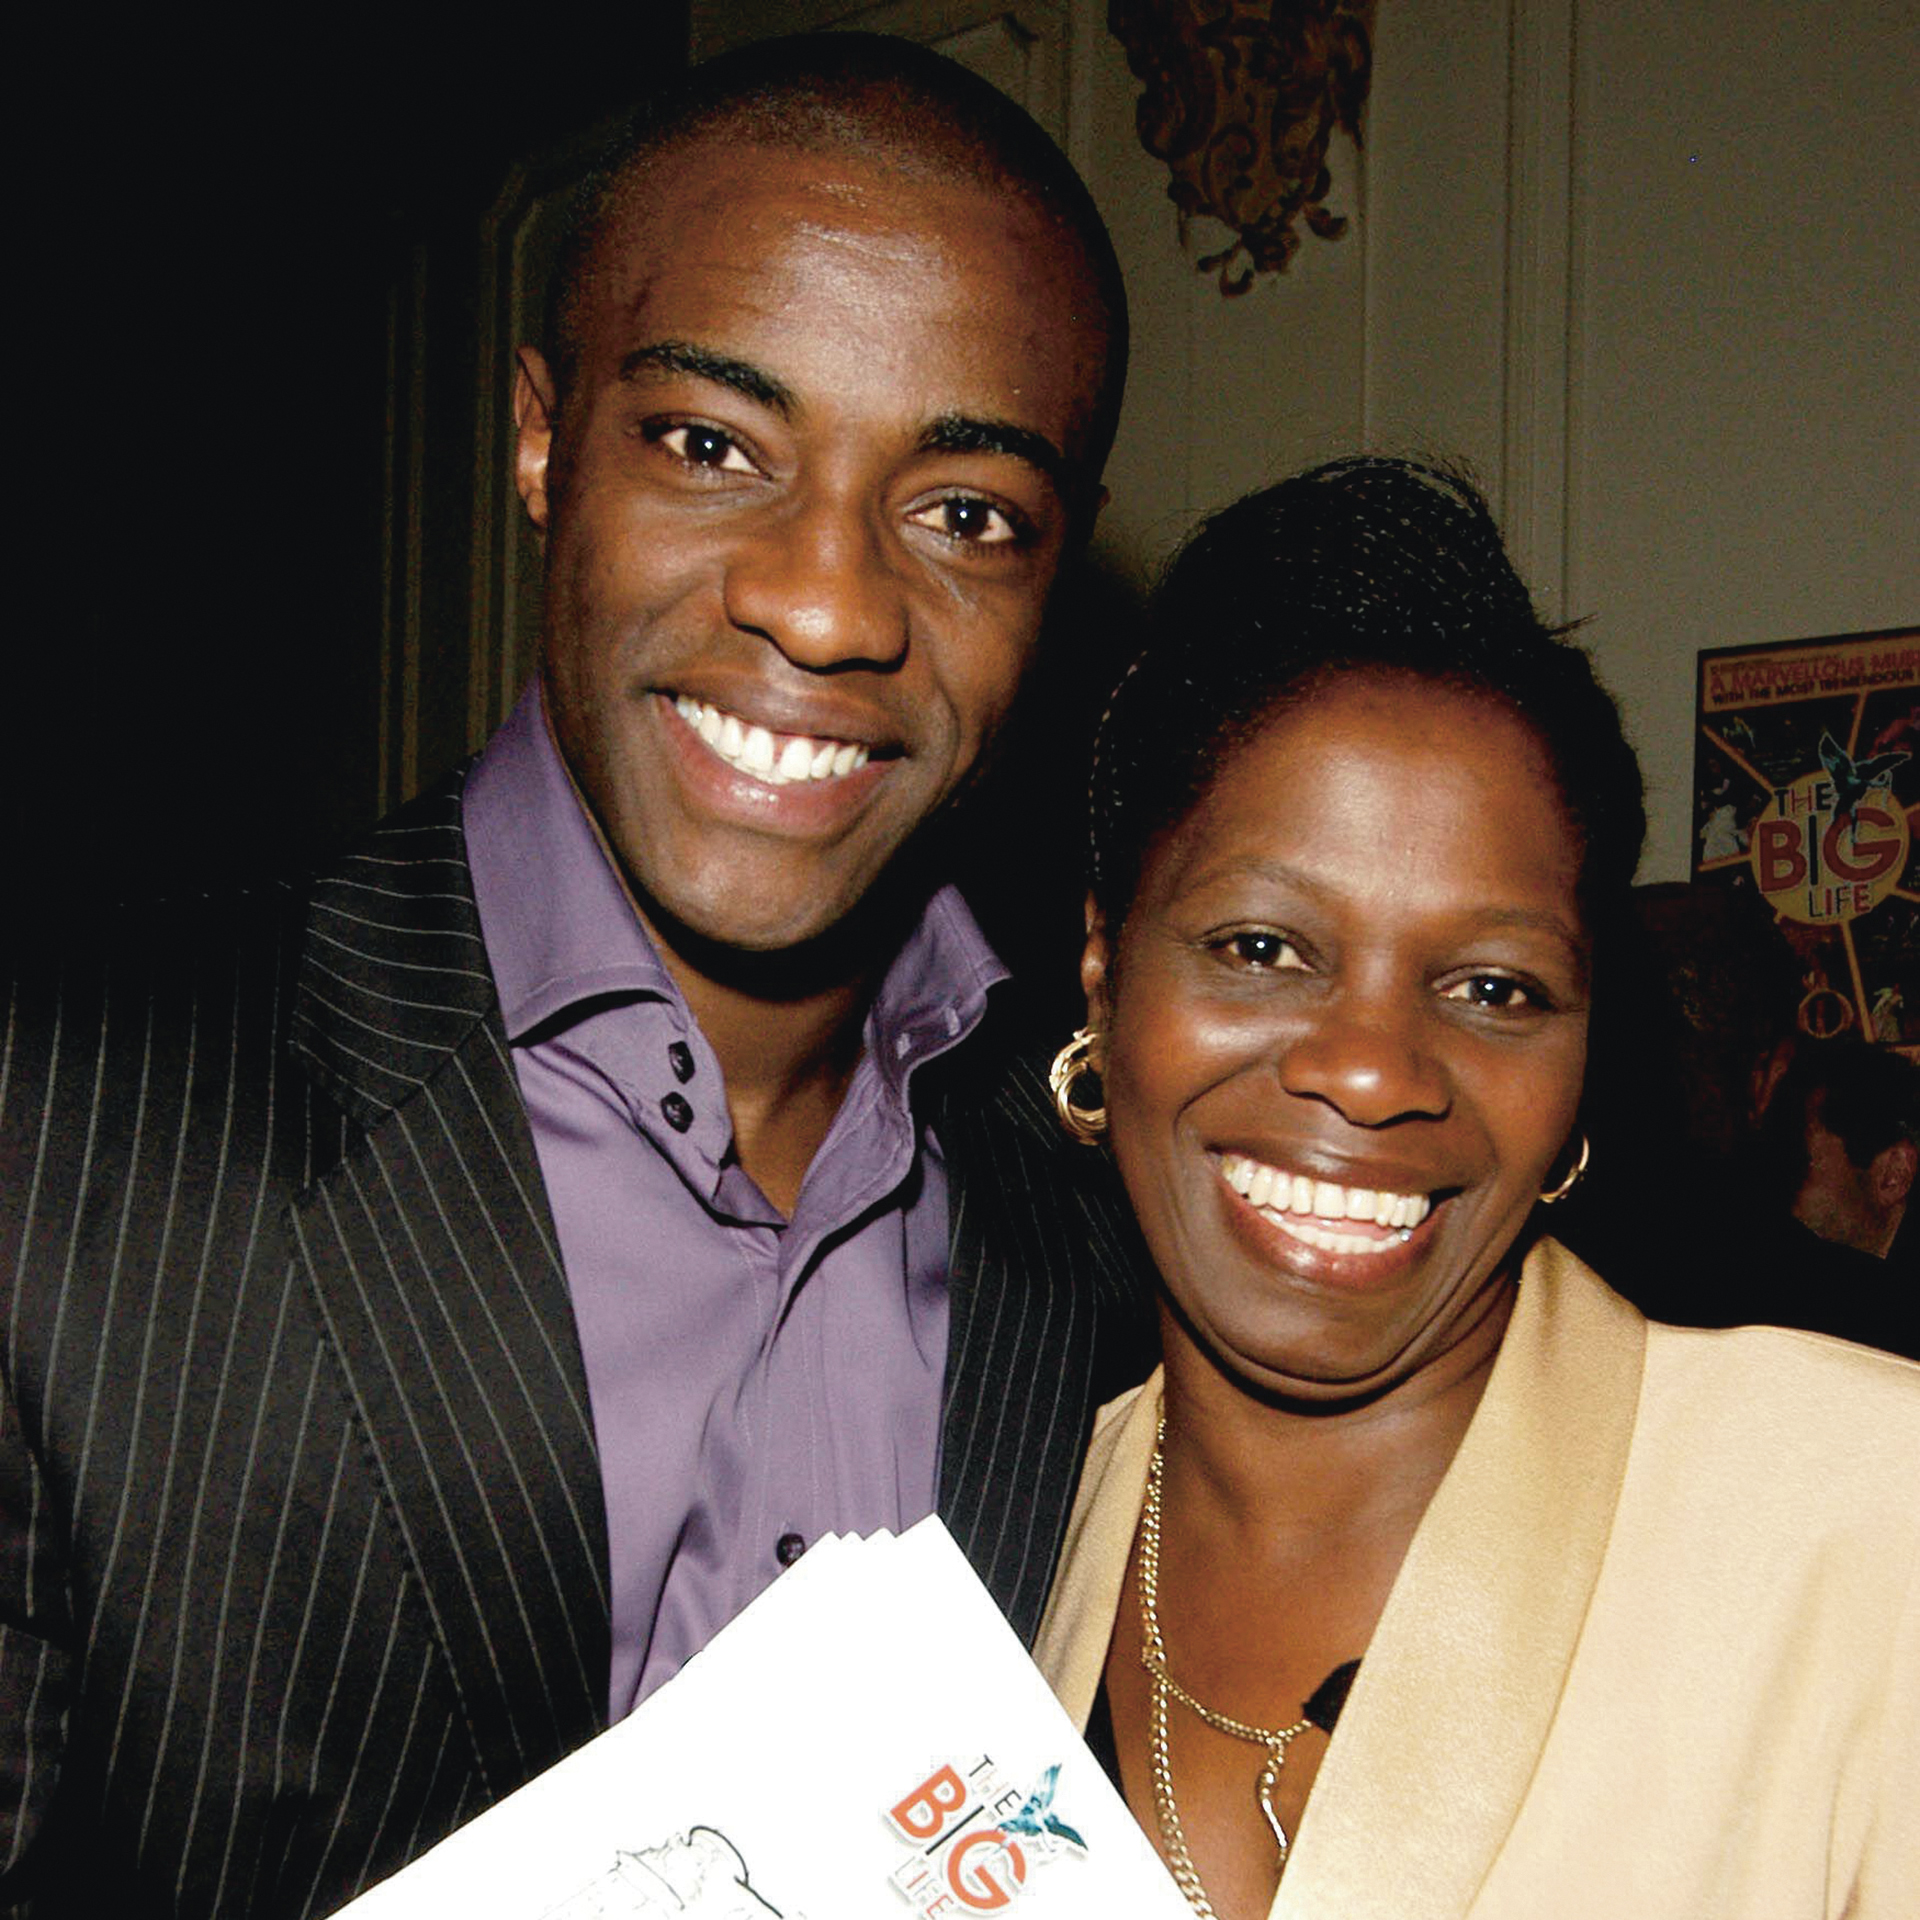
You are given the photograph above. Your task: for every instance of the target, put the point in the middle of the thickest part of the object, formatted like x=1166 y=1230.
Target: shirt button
x=679 y=1114
x=788 y=1548
x=680 y=1059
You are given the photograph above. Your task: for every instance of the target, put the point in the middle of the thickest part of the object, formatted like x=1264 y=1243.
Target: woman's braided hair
x=1367 y=565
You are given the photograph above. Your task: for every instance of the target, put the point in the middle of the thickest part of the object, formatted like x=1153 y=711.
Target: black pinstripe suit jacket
x=302 y=1551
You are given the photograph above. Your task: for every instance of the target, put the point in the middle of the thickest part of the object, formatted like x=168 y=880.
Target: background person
x=1858 y=1114
x=441 y=1295
x=1838 y=1151
x=1426 y=1549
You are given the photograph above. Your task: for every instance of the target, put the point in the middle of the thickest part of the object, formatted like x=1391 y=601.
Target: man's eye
x=702 y=446
x=1262 y=950
x=1495 y=992
x=965 y=517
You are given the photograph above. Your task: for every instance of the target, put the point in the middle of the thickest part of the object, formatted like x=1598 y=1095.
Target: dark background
x=221 y=222
x=216 y=216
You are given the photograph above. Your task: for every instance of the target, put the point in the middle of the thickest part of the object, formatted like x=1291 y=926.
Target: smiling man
x=442 y=1296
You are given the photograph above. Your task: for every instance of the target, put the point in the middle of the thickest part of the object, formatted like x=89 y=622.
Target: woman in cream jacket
x=1428 y=1579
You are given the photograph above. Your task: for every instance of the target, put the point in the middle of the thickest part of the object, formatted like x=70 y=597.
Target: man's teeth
x=777 y=758
x=1304 y=1204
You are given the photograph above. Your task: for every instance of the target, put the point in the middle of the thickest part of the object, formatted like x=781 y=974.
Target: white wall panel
x=1224 y=394
x=1436 y=232
x=1748 y=463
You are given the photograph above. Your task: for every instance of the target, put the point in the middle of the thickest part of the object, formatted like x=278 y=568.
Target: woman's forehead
x=1383 y=783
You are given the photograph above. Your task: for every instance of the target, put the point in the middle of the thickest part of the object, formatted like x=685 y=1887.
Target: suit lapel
x=1050 y=1315
x=1457 y=1692
x=432 y=1254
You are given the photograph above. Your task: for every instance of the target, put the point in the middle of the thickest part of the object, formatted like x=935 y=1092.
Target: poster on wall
x=1806 y=787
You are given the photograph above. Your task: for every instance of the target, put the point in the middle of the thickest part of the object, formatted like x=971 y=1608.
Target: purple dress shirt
x=755 y=1382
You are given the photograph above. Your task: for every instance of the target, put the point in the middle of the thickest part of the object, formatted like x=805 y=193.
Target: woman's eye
x=1495 y=992
x=700 y=446
x=966 y=517
x=1262 y=950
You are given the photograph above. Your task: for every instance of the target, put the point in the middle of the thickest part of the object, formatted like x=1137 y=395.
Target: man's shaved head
x=891 y=103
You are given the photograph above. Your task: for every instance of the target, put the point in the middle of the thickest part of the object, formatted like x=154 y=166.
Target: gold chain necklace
x=1153 y=1656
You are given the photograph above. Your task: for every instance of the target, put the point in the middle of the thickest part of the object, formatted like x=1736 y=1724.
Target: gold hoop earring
x=1075 y=1059
x=1572 y=1180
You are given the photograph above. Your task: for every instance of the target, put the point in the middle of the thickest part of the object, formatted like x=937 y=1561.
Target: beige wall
x=1650 y=267
x=1746 y=400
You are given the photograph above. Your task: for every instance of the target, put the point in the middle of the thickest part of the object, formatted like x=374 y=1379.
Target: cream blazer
x=1654 y=1653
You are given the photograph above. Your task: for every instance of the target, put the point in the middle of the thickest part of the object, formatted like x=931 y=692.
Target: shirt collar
x=935 y=992
x=557 y=922
x=560 y=929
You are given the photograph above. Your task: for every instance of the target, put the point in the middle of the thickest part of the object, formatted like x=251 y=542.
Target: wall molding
x=1538 y=367
x=402 y=544
x=518 y=240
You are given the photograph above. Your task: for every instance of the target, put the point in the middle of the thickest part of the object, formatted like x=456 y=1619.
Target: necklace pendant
x=1263 y=1792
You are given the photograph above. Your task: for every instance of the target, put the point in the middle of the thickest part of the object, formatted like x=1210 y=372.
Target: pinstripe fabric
x=302 y=1557
x=1052 y=1317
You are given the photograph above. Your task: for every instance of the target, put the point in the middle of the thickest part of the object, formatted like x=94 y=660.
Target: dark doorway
x=219 y=217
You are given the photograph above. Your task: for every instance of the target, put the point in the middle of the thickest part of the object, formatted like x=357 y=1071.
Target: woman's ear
x=1094 y=965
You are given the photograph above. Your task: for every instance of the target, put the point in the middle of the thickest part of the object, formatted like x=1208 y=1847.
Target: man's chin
x=776 y=948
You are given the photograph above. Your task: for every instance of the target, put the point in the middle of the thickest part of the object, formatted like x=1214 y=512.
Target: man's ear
x=535 y=403
x=1094 y=966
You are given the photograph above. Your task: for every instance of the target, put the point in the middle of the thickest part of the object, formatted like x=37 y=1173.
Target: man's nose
x=1370 y=1058
x=817 y=580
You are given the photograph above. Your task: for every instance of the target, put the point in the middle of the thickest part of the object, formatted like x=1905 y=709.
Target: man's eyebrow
x=956 y=433
x=683 y=356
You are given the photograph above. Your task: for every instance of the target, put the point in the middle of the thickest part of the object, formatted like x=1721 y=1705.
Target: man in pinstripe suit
x=440 y=1295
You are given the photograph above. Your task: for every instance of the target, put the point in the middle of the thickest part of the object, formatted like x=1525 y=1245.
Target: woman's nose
x=1372 y=1062
x=816 y=580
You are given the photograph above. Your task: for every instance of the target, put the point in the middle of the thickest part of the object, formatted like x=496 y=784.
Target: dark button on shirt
x=679 y=1115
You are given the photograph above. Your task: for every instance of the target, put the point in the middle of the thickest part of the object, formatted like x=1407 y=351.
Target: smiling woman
x=1355 y=972
x=1428 y=1578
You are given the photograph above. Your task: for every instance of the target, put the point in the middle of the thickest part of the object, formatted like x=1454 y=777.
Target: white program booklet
x=867 y=1741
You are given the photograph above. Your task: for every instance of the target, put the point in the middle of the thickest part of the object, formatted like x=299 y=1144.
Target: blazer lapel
x=1051 y=1313
x=432 y=1254
x=1457 y=1692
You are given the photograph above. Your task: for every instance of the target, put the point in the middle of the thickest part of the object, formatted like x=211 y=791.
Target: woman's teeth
x=776 y=758
x=1313 y=1210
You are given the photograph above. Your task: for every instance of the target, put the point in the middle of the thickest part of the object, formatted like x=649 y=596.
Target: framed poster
x=1806 y=787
